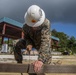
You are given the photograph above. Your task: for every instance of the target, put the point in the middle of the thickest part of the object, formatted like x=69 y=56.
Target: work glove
x=29 y=47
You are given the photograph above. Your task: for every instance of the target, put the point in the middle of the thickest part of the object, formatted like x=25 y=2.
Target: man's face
x=33 y=21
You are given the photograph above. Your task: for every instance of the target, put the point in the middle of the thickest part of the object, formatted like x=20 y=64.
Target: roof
x=11 y=21
x=18 y=24
x=55 y=38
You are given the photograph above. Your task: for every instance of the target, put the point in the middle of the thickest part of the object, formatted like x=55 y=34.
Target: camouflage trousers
x=21 y=44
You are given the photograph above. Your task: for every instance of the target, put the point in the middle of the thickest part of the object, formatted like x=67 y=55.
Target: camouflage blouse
x=39 y=39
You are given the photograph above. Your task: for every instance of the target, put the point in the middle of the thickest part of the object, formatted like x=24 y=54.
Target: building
x=10 y=28
x=54 y=43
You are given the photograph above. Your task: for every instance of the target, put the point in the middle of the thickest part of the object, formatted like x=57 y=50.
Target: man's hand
x=29 y=47
x=37 y=65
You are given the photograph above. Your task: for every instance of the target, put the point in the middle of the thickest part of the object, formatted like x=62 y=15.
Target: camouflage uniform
x=39 y=39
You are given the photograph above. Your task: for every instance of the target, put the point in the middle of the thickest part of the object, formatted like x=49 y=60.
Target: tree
x=63 y=39
x=66 y=42
x=72 y=44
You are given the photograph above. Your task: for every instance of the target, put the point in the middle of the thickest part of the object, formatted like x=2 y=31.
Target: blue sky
x=61 y=13
x=67 y=28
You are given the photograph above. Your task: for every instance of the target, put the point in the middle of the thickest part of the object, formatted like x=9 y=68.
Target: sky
x=61 y=13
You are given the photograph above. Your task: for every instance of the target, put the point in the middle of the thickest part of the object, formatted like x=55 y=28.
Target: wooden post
x=4 y=28
x=2 y=40
x=3 y=32
x=8 y=41
x=22 y=35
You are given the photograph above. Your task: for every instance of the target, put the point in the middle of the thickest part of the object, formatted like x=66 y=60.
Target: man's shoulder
x=25 y=26
x=46 y=22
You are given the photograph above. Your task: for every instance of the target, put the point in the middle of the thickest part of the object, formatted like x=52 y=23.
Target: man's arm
x=45 y=51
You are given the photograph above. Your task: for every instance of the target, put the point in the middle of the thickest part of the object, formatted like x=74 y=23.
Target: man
x=36 y=34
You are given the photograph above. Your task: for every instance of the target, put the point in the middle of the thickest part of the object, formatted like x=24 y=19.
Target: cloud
x=55 y=10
